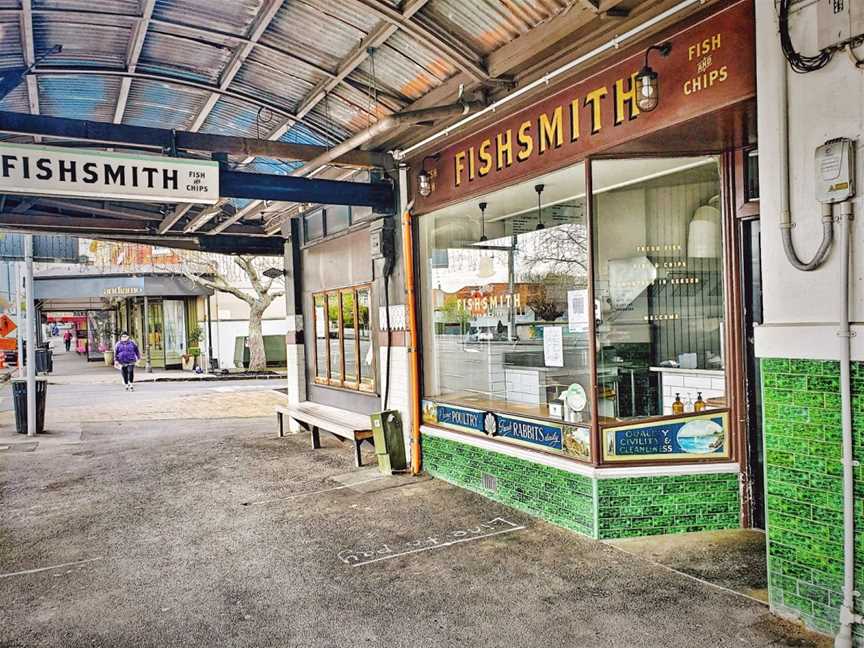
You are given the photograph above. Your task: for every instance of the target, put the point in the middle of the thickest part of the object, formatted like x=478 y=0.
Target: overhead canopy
x=305 y=72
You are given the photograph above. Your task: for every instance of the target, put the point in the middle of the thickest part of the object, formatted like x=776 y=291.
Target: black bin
x=19 y=395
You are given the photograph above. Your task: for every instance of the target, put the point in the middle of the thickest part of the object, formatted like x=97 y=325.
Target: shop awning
x=94 y=289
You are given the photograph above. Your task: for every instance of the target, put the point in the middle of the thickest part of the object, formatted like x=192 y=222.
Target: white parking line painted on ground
x=387 y=552
x=42 y=569
x=318 y=492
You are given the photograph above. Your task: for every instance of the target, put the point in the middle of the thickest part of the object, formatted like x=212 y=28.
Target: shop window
x=658 y=286
x=343 y=339
x=751 y=175
x=506 y=309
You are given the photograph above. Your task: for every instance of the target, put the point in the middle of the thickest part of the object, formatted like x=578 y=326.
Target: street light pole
x=31 y=337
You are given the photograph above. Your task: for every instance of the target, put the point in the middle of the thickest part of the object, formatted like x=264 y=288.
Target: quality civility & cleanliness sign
x=56 y=171
x=689 y=437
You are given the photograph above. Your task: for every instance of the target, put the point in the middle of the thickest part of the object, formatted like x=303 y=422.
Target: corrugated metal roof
x=234 y=17
x=84 y=96
x=85 y=44
x=486 y=25
x=129 y=7
x=325 y=32
x=10 y=43
x=277 y=77
x=155 y=104
x=233 y=117
x=404 y=66
x=183 y=57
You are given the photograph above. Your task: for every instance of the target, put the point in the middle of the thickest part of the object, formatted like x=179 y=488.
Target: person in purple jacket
x=126 y=355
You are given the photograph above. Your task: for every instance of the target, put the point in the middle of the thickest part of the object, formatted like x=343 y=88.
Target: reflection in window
x=343 y=339
x=320 y=316
x=364 y=335
x=658 y=281
x=506 y=295
x=334 y=335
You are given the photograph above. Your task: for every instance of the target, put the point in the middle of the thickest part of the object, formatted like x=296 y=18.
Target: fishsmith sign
x=55 y=171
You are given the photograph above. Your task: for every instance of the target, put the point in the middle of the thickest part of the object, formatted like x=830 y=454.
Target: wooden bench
x=342 y=424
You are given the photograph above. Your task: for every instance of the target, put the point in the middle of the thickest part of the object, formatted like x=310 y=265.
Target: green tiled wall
x=559 y=497
x=642 y=506
x=801 y=405
x=606 y=508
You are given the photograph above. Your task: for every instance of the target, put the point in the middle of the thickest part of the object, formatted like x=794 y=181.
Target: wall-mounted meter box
x=835 y=170
x=381 y=238
x=838 y=22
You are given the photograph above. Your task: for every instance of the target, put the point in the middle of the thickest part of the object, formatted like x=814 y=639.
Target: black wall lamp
x=648 y=90
x=424 y=178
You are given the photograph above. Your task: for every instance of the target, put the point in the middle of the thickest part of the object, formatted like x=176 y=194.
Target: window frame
x=326 y=379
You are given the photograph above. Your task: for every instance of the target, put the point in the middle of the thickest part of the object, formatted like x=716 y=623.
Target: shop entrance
x=751 y=295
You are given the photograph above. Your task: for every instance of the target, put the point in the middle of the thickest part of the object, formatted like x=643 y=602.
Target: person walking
x=125 y=356
x=67 y=339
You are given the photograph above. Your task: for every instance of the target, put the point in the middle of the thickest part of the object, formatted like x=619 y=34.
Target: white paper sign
x=577 y=309
x=56 y=171
x=553 y=346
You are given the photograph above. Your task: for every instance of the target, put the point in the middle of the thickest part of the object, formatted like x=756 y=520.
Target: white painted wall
x=801 y=308
x=231 y=319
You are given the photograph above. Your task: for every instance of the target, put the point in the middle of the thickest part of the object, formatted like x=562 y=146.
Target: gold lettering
x=526 y=141
x=551 y=132
x=472 y=164
x=715 y=42
x=625 y=98
x=691 y=52
x=594 y=98
x=485 y=158
x=574 y=120
x=724 y=73
x=460 y=166
x=505 y=148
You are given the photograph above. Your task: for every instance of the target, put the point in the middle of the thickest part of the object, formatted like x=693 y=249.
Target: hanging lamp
x=539 y=189
x=482 y=206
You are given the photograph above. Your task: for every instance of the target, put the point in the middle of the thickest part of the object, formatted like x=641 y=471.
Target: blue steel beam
x=262 y=186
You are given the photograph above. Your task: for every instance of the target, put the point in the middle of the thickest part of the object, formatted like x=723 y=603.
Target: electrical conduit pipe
x=413 y=356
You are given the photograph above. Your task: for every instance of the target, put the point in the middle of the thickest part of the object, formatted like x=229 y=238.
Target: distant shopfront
x=580 y=294
x=159 y=311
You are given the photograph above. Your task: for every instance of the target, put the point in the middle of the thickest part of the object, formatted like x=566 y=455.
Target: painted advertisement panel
x=691 y=437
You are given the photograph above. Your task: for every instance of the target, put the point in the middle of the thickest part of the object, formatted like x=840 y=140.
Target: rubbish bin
x=19 y=395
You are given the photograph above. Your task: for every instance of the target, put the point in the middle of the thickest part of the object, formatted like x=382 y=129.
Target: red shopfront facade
x=583 y=349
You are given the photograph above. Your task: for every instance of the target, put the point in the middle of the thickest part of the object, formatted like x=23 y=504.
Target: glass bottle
x=688 y=404
x=699 y=405
x=677 y=406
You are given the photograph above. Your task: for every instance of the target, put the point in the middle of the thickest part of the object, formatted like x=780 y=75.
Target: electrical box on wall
x=835 y=170
x=838 y=22
x=382 y=241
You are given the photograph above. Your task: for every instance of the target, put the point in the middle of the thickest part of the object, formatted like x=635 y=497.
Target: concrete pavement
x=152 y=530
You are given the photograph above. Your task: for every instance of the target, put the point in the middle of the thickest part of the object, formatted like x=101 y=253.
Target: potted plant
x=190 y=358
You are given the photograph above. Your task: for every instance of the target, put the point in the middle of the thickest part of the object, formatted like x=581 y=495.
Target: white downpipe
x=847 y=613
x=613 y=43
x=31 y=336
x=18 y=322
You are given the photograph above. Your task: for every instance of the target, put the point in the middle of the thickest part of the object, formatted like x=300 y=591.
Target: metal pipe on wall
x=413 y=349
x=18 y=322
x=31 y=336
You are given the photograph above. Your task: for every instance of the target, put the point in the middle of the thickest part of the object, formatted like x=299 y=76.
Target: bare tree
x=215 y=274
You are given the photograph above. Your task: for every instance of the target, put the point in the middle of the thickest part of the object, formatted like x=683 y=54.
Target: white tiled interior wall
x=399 y=398
x=710 y=384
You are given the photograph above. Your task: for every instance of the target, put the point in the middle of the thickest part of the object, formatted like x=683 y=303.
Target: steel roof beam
x=163 y=139
x=171 y=219
x=136 y=44
x=262 y=22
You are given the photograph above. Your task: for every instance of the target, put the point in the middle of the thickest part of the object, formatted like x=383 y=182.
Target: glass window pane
x=175 y=330
x=313 y=226
x=349 y=334
x=505 y=289
x=338 y=218
x=658 y=282
x=364 y=333
x=335 y=336
x=320 y=315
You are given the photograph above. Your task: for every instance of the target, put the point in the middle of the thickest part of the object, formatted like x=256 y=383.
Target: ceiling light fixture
x=482 y=207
